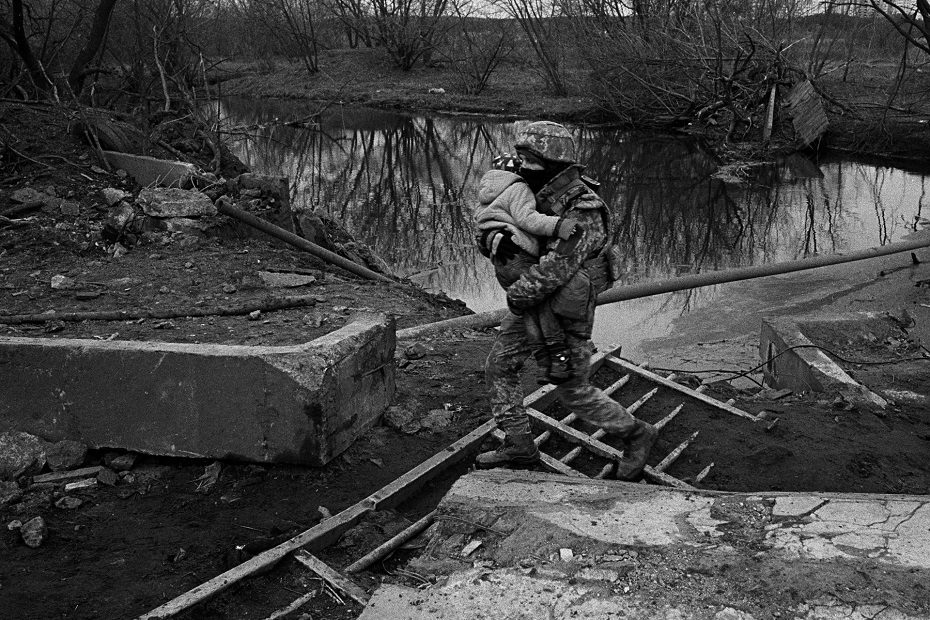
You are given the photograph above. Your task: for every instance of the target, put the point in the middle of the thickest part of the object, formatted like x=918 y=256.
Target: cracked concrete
x=654 y=552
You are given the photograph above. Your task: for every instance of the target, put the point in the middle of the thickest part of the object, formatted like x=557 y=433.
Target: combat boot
x=542 y=365
x=516 y=451
x=636 y=447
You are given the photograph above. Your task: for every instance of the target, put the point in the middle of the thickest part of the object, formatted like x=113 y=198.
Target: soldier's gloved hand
x=503 y=247
x=516 y=306
x=565 y=228
x=482 y=240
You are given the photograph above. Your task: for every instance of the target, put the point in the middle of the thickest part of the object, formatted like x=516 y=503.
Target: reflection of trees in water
x=407 y=185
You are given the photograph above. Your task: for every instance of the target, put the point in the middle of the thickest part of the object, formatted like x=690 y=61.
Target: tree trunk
x=32 y=63
x=94 y=39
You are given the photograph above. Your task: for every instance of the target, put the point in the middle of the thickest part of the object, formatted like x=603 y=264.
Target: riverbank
x=854 y=101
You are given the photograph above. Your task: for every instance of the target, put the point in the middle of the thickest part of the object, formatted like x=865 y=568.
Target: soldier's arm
x=558 y=266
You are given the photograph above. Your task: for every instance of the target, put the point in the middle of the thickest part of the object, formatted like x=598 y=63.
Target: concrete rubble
x=173 y=202
x=153 y=171
x=560 y=548
x=296 y=404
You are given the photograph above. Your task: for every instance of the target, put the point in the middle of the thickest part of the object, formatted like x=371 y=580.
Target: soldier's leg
x=502 y=372
x=593 y=405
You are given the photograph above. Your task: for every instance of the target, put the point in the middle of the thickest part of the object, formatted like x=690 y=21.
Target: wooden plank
x=329 y=530
x=600 y=448
x=547 y=461
x=703 y=474
x=388 y=547
x=62 y=476
x=623 y=364
x=332 y=577
x=607 y=470
x=674 y=454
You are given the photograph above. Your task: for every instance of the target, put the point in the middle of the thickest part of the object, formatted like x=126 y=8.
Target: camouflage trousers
x=507 y=357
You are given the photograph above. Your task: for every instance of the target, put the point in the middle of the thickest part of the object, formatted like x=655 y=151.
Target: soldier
x=548 y=164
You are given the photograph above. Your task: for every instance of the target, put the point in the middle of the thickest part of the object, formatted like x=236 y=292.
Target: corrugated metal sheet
x=807 y=113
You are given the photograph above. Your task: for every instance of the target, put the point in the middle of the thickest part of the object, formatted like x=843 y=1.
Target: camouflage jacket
x=566 y=195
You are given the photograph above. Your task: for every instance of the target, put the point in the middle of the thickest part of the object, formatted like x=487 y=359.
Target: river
x=406 y=184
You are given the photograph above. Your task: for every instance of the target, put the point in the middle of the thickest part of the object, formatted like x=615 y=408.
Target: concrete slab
x=297 y=404
x=792 y=361
x=640 y=551
x=150 y=171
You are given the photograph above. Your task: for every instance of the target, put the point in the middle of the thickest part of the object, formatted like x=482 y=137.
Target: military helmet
x=507 y=162
x=547 y=140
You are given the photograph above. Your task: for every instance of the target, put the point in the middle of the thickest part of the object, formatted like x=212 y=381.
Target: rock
x=174 y=202
x=70 y=208
x=415 y=351
x=402 y=419
x=69 y=503
x=112 y=196
x=66 y=454
x=437 y=91
x=28 y=195
x=122 y=462
x=229 y=289
x=107 y=477
x=436 y=419
x=285 y=280
x=15 y=524
x=19 y=453
x=62 y=283
x=97 y=170
x=10 y=493
x=729 y=613
x=118 y=250
x=254 y=315
x=34 y=532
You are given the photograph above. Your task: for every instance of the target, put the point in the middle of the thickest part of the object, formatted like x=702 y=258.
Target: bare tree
x=541 y=23
x=292 y=23
x=40 y=37
x=478 y=44
x=911 y=18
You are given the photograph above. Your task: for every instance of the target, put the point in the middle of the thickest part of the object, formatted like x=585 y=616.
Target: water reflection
x=406 y=185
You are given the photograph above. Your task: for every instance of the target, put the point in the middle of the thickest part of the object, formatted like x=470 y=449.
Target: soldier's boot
x=518 y=450
x=636 y=446
x=560 y=367
x=542 y=365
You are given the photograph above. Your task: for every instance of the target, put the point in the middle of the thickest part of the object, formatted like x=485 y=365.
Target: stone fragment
x=15 y=524
x=120 y=462
x=285 y=280
x=69 y=502
x=10 y=493
x=111 y=196
x=34 y=531
x=415 y=351
x=175 y=202
x=19 y=453
x=66 y=454
x=27 y=195
x=61 y=282
x=436 y=419
x=69 y=207
x=107 y=477
x=402 y=419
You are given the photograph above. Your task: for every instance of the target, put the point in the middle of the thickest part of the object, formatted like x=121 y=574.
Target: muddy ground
x=131 y=547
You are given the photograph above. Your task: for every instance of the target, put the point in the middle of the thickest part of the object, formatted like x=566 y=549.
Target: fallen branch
x=332 y=577
x=388 y=547
x=264 y=305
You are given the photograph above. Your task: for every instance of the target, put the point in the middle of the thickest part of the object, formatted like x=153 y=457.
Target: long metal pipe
x=648 y=289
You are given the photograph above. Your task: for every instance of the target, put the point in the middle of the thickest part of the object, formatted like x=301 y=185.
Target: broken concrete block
x=10 y=493
x=296 y=404
x=121 y=462
x=107 y=477
x=62 y=476
x=149 y=171
x=174 y=202
x=19 y=451
x=27 y=195
x=34 y=532
x=69 y=502
x=66 y=454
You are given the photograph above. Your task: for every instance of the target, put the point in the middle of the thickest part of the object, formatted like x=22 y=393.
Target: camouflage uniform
x=578 y=267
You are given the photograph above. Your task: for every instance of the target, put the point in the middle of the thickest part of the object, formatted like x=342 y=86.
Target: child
x=508 y=204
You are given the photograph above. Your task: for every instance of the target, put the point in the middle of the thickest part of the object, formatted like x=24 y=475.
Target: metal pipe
x=648 y=289
x=299 y=242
